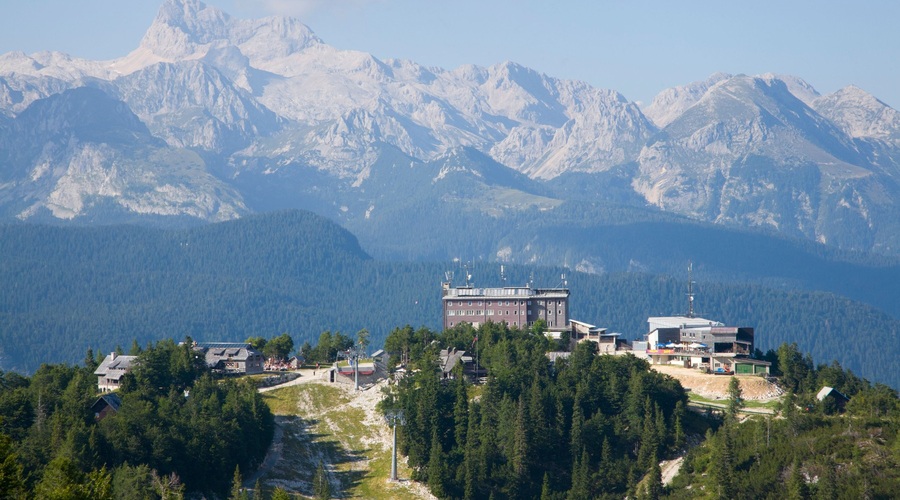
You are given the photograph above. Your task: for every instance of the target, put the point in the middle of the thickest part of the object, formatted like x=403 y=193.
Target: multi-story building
x=703 y=343
x=517 y=306
x=231 y=357
x=109 y=373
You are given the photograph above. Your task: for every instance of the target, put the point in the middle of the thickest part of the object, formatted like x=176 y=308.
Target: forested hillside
x=536 y=429
x=70 y=288
x=177 y=430
x=594 y=426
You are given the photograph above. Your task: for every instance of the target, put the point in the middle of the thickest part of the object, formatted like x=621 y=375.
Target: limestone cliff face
x=750 y=152
x=232 y=107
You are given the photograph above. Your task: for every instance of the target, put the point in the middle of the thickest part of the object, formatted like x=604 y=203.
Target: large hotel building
x=517 y=306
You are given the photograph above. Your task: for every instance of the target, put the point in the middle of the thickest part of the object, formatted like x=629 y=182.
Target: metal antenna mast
x=690 y=289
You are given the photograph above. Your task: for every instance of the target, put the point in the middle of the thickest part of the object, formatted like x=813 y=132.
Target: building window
x=470 y=302
x=529 y=312
x=529 y=302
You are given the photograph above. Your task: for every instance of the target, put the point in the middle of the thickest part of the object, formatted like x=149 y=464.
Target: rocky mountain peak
x=671 y=103
x=860 y=114
x=272 y=37
x=797 y=86
x=183 y=27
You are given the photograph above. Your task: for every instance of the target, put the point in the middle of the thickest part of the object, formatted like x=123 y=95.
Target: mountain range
x=211 y=118
x=760 y=180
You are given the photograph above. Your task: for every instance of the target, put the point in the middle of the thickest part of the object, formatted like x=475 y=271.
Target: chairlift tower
x=353 y=355
x=394 y=417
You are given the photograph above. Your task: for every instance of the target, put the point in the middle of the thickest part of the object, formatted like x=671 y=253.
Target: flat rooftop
x=505 y=292
x=680 y=322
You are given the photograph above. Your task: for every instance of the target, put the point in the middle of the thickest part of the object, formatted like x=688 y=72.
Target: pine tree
x=604 y=472
x=546 y=492
x=581 y=478
x=321 y=484
x=280 y=494
x=470 y=456
x=827 y=486
x=90 y=361
x=796 y=487
x=575 y=442
x=679 y=436
x=257 y=491
x=237 y=488
x=659 y=422
x=654 y=481
x=461 y=412
x=436 y=466
x=723 y=463
x=634 y=401
x=789 y=412
x=97 y=485
x=649 y=438
x=11 y=480
x=520 y=444
x=735 y=400
x=536 y=417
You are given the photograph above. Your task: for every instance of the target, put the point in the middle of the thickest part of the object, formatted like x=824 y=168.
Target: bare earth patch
x=341 y=428
x=753 y=388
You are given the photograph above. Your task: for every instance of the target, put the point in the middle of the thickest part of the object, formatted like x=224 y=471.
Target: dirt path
x=306 y=377
x=317 y=431
x=670 y=469
x=273 y=454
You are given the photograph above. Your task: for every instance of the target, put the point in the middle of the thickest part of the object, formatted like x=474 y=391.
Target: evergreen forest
x=178 y=431
x=588 y=426
x=295 y=273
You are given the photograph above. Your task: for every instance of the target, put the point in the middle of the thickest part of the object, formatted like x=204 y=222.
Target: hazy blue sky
x=635 y=47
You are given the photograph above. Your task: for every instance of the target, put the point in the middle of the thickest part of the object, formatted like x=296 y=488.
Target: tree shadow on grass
x=304 y=448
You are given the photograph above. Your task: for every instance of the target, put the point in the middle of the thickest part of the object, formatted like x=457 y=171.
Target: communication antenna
x=448 y=277
x=690 y=289
x=562 y=278
x=502 y=274
x=468 y=274
x=531 y=279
